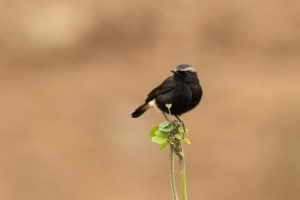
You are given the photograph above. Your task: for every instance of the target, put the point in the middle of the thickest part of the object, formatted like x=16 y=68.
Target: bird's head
x=185 y=72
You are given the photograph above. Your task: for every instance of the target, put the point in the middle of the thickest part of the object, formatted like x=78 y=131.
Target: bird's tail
x=140 y=110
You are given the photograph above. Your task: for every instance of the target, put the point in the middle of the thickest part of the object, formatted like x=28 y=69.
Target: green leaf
x=168 y=105
x=163 y=146
x=187 y=131
x=180 y=129
x=169 y=108
x=161 y=134
x=178 y=136
x=159 y=140
x=167 y=129
x=187 y=140
x=164 y=124
x=153 y=130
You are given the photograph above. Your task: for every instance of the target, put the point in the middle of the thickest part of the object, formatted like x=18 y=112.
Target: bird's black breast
x=197 y=95
x=183 y=98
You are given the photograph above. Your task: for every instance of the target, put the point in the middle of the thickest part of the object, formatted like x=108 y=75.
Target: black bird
x=182 y=90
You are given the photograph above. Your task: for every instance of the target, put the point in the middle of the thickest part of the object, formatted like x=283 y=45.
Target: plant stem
x=171 y=158
x=183 y=179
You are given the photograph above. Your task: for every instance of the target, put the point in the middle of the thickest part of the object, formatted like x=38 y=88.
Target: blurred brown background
x=72 y=72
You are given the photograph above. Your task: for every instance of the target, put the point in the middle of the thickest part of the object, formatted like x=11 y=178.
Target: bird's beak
x=174 y=71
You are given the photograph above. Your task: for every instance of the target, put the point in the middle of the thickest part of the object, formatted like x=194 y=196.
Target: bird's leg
x=181 y=123
x=165 y=115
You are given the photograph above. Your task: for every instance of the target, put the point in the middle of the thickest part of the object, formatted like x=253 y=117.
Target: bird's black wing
x=166 y=86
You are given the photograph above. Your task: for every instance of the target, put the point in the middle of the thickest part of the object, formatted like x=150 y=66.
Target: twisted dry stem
x=179 y=152
x=177 y=149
